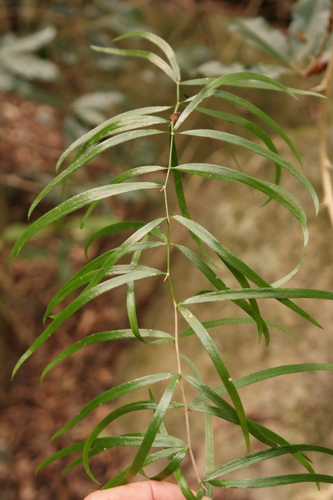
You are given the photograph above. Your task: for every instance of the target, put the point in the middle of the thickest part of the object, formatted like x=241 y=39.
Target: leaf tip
x=56 y=434
x=13 y=254
x=16 y=367
x=31 y=209
x=39 y=468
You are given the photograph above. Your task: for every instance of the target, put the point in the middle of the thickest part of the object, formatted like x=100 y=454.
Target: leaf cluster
x=120 y=266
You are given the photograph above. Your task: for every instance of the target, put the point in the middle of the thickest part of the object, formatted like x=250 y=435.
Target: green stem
x=172 y=291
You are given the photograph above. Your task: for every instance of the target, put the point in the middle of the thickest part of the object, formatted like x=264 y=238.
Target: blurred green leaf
x=258 y=32
x=310 y=20
x=16 y=58
x=28 y=43
x=213 y=69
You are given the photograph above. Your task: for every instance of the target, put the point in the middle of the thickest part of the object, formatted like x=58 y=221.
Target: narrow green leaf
x=254 y=458
x=111 y=394
x=128 y=118
x=75 y=203
x=128 y=174
x=261 y=326
x=265 y=482
x=134 y=172
x=183 y=485
x=268 y=373
x=288 y=276
x=218 y=283
x=112 y=127
x=154 y=457
x=88 y=156
x=122 y=410
x=161 y=43
x=255 y=148
x=152 y=430
x=260 y=293
x=225 y=411
x=172 y=466
x=253 y=84
x=123 y=226
x=182 y=203
x=211 y=85
x=267 y=86
x=84 y=276
x=136 y=439
x=234 y=321
x=220 y=366
x=60 y=454
x=232 y=260
x=242 y=122
x=130 y=299
x=261 y=115
x=123 y=249
x=228 y=413
x=101 y=444
x=79 y=302
x=209 y=433
x=115 y=127
x=255 y=129
x=274 y=191
x=95 y=338
x=209 y=451
x=143 y=54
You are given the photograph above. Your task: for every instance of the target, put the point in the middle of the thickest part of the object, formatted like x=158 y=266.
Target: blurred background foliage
x=53 y=88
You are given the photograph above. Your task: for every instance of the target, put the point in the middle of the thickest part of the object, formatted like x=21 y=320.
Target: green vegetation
x=127 y=264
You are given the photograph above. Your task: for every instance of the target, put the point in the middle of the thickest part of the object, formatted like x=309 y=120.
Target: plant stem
x=168 y=277
x=182 y=390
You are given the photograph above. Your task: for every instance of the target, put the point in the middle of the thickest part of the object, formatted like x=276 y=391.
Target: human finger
x=146 y=490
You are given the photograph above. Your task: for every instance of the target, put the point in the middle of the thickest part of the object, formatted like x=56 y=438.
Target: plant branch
x=325 y=163
x=174 y=118
x=182 y=391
